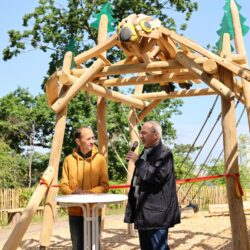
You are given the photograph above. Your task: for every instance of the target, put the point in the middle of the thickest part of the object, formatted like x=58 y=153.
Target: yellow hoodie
x=90 y=174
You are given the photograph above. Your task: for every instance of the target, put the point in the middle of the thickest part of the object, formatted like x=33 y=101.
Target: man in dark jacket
x=152 y=200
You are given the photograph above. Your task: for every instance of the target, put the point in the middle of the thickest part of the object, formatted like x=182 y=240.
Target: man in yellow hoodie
x=85 y=171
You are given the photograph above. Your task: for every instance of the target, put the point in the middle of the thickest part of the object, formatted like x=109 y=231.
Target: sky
x=28 y=69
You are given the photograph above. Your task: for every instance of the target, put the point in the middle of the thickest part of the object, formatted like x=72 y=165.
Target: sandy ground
x=197 y=232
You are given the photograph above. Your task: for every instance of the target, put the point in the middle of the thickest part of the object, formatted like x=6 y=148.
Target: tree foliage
x=184 y=166
x=13 y=171
x=52 y=26
x=25 y=120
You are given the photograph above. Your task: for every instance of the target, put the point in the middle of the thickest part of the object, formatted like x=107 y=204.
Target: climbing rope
x=210 y=171
x=203 y=165
x=204 y=143
x=192 y=146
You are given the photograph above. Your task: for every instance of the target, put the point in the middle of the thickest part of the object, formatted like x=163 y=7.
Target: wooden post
x=55 y=156
x=101 y=108
x=23 y=224
x=101 y=101
x=49 y=211
x=240 y=49
x=134 y=136
x=237 y=217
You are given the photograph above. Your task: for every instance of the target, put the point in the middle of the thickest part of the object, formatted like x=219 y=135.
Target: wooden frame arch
x=158 y=57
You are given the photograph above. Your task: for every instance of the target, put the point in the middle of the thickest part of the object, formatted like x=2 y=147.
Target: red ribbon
x=44 y=182
x=119 y=186
x=236 y=178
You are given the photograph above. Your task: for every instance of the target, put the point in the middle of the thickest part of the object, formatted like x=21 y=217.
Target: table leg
x=95 y=226
x=84 y=227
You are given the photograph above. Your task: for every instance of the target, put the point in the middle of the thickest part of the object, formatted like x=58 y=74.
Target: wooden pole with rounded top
x=55 y=156
x=101 y=101
x=235 y=204
x=49 y=211
x=240 y=49
x=101 y=108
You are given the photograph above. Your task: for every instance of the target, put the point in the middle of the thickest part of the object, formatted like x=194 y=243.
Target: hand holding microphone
x=131 y=155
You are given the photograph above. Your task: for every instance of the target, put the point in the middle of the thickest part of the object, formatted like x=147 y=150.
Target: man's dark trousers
x=154 y=239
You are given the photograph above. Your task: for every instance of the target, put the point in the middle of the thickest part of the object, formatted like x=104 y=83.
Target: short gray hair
x=156 y=127
x=77 y=134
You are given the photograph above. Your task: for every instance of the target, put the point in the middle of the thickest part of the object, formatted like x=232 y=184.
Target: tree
x=244 y=145
x=25 y=120
x=51 y=27
x=25 y=123
x=183 y=162
x=13 y=170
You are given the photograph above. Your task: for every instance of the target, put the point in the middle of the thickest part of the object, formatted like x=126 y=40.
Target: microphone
x=134 y=146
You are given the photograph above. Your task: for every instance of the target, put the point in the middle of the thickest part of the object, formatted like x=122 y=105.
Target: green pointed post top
x=106 y=10
x=227 y=24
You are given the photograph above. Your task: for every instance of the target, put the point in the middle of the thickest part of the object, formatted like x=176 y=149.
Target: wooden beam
x=172 y=65
x=86 y=76
x=240 y=71
x=167 y=46
x=105 y=60
x=110 y=94
x=148 y=109
x=237 y=58
x=210 y=66
x=170 y=77
x=139 y=68
x=97 y=50
x=199 y=72
x=176 y=94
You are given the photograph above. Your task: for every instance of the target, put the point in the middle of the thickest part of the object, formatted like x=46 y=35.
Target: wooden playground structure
x=154 y=55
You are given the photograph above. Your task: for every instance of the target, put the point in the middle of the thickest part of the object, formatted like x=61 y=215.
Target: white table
x=84 y=201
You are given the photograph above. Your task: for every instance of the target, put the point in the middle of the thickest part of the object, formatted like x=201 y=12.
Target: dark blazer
x=157 y=205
